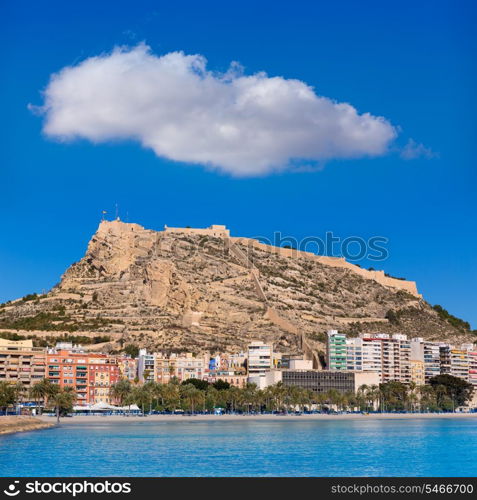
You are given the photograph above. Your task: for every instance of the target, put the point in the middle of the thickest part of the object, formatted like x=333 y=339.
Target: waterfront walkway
x=78 y=419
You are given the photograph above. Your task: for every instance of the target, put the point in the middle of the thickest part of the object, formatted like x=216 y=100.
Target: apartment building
x=228 y=362
x=188 y=366
x=336 y=358
x=229 y=368
x=472 y=354
x=127 y=368
x=418 y=376
x=260 y=358
x=146 y=366
x=21 y=362
x=162 y=368
x=455 y=361
x=234 y=379
x=441 y=358
x=354 y=354
x=165 y=368
x=104 y=372
x=236 y=362
x=91 y=375
x=432 y=359
x=396 y=358
x=388 y=355
x=429 y=354
x=364 y=353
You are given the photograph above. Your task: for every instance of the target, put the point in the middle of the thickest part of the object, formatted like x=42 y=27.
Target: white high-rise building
x=354 y=354
x=372 y=353
x=429 y=354
x=146 y=366
x=260 y=358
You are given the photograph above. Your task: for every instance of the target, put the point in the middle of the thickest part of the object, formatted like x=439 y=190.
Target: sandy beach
x=11 y=424
x=213 y=418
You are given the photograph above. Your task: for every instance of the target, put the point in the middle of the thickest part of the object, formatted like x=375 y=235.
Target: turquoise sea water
x=415 y=447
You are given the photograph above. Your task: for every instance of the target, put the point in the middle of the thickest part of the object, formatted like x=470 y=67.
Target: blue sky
x=412 y=64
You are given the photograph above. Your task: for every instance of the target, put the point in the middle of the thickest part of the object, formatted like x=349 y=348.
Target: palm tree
x=233 y=397
x=351 y=400
x=373 y=395
x=211 y=398
x=140 y=395
x=37 y=393
x=7 y=395
x=121 y=390
x=362 y=397
x=248 y=396
x=278 y=393
x=151 y=388
x=342 y=401
x=412 y=396
x=333 y=397
x=268 y=398
x=158 y=394
x=303 y=397
x=192 y=396
x=19 y=391
x=289 y=397
x=63 y=400
x=43 y=390
x=170 y=394
x=321 y=399
x=312 y=398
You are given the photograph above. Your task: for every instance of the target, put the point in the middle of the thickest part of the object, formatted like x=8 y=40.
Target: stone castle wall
x=216 y=231
x=378 y=276
x=128 y=231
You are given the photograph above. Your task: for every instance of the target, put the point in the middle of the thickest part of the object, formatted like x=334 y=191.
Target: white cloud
x=413 y=150
x=243 y=125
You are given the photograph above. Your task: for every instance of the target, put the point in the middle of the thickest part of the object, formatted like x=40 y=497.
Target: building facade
x=322 y=381
x=21 y=362
x=418 y=375
x=146 y=366
x=260 y=358
x=91 y=375
x=387 y=355
x=455 y=361
x=336 y=358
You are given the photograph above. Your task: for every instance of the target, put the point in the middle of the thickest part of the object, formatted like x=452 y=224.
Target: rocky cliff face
x=179 y=291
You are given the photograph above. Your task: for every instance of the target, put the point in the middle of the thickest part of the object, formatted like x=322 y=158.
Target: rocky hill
x=195 y=290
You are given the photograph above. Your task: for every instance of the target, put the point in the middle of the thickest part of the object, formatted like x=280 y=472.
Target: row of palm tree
x=52 y=396
x=194 y=395
x=444 y=394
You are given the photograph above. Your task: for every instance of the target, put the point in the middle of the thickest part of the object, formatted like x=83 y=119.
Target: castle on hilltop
x=221 y=231
x=215 y=230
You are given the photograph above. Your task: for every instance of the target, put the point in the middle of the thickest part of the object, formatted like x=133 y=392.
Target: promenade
x=83 y=419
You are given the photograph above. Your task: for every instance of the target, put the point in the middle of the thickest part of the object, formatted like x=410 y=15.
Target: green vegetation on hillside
x=52 y=340
x=453 y=320
x=55 y=321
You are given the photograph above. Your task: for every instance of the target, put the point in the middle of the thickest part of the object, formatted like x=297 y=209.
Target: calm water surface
x=417 y=447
